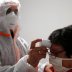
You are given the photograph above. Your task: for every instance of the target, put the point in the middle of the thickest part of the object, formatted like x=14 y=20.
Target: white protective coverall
x=8 y=50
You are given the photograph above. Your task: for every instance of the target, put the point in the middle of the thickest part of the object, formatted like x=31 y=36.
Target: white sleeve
x=43 y=62
x=7 y=68
x=41 y=67
x=23 y=46
x=20 y=66
x=23 y=66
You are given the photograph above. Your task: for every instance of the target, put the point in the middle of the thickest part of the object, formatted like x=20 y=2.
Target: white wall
x=39 y=18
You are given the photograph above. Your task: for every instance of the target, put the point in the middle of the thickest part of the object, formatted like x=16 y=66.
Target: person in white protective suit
x=12 y=46
x=10 y=41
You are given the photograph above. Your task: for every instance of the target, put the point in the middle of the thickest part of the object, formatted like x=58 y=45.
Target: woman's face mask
x=11 y=20
x=57 y=64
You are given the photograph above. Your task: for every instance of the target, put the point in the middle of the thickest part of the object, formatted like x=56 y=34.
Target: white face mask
x=57 y=64
x=11 y=20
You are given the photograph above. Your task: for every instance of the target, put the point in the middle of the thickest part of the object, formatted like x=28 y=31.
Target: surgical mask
x=11 y=20
x=57 y=64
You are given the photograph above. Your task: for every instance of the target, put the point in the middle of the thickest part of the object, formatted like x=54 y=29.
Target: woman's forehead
x=13 y=7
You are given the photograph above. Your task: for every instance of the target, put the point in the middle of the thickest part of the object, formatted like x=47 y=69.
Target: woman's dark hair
x=63 y=37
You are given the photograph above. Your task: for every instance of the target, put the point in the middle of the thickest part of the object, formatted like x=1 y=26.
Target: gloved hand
x=36 y=53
